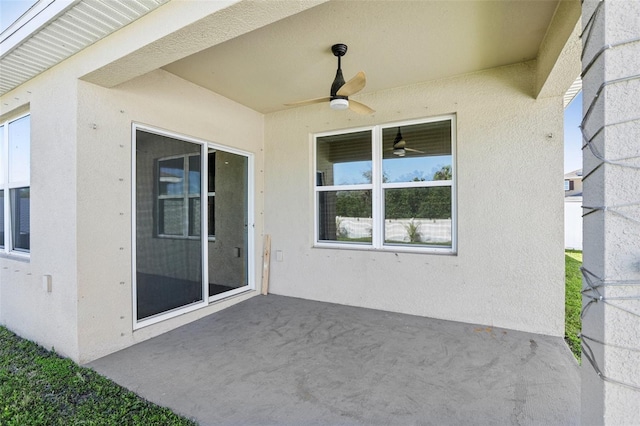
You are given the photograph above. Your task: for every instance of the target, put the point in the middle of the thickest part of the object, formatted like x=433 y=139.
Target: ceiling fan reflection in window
x=340 y=91
x=400 y=146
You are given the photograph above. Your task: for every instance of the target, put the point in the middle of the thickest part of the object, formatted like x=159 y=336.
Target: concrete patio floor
x=275 y=360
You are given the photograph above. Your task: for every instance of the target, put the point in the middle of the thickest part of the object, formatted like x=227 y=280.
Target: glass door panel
x=169 y=266
x=227 y=221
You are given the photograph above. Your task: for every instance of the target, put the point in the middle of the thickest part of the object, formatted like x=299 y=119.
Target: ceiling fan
x=340 y=91
x=400 y=146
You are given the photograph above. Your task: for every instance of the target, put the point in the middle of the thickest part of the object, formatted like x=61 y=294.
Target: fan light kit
x=340 y=91
x=339 y=104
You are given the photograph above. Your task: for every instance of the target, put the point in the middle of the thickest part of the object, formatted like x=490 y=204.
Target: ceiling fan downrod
x=338 y=102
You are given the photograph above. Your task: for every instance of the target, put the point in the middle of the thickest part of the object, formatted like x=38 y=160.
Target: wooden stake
x=265 y=264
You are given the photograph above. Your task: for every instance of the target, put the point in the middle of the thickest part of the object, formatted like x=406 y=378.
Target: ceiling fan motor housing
x=338 y=82
x=339 y=50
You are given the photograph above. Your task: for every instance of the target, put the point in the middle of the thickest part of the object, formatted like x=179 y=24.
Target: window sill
x=17 y=256
x=387 y=248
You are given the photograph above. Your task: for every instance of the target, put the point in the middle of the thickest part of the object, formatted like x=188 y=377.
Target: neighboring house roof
x=574 y=175
x=54 y=30
x=575 y=179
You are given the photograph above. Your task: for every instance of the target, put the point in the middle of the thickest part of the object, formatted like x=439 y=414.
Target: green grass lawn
x=573 y=300
x=38 y=387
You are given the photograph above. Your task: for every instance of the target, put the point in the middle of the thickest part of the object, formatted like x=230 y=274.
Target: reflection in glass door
x=228 y=196
x=188 y=252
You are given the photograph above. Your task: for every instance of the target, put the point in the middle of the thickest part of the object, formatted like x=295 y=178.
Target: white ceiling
x=395 y=42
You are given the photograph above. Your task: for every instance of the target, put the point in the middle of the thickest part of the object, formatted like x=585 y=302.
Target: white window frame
x=184 y=196
x=377 y=188
x=567 y=185
x=6 y=187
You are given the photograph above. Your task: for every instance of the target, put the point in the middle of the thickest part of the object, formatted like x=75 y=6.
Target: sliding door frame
x=250 y=225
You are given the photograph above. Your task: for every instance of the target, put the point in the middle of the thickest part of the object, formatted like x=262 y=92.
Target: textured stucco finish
x=81 y=162
x=558 y=63
x=81 y=175
x=509 y=269
x=48 y=318
x=104 y=156
x=611 y=242
x=188 y=27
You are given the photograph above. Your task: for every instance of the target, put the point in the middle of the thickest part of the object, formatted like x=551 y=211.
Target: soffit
x=573 y=91
x=396 y=43
x=62 y=35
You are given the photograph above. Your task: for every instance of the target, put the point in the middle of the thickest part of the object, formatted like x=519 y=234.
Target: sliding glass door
x=191 y=224
x=228 y=222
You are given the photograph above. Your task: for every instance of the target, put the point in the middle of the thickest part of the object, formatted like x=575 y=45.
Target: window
x=15 y=193
x=568 y=185
x=388 y=187
x=178 y=202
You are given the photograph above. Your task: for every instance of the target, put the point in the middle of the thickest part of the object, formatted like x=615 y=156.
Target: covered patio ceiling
x=396 y=43
x=266 y=54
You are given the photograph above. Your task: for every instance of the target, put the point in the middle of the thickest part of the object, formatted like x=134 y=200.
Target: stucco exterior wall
x=25 y=307
x=164 y=101
x=88 y=208
x=509 y=269
x=611 y=116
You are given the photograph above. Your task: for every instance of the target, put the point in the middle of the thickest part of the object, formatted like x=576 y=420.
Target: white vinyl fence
x=405 y=230
x=573 y=223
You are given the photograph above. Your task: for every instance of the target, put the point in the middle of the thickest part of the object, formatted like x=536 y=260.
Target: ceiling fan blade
x=414 y=150
x=310 y=101
x=352 y=86
x=360 y=108
x=400 y=144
